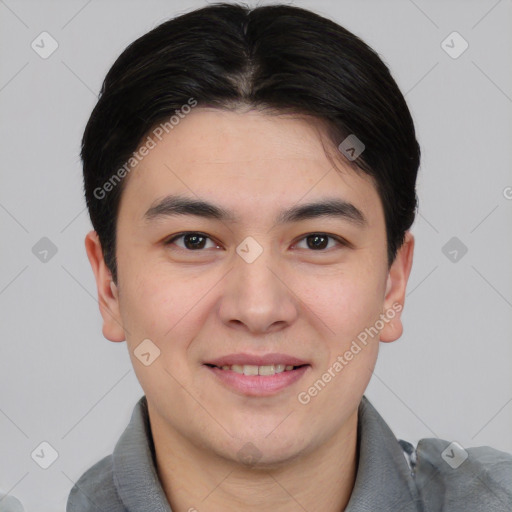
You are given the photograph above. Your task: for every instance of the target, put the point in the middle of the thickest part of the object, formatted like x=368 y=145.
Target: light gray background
x=62 y=382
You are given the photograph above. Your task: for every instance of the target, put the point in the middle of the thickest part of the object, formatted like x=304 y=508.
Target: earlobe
x=108 y=296
x=396 y=285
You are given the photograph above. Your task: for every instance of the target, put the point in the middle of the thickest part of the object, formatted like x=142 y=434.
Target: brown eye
x=192 y=241
x=319 y=241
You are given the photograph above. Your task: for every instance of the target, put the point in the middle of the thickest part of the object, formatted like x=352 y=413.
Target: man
x=250 y=176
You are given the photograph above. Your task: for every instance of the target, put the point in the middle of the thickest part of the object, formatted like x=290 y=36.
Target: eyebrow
x=175 y=205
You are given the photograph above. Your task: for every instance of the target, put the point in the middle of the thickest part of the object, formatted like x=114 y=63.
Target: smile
x=255 y=380
x=251 y=369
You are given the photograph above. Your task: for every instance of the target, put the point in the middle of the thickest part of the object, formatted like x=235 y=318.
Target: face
x=258 y=283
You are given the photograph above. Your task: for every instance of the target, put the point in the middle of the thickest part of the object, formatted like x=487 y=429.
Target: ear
x=108 y=296
x=395 y=290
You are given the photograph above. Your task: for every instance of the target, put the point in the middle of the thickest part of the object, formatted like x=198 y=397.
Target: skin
x=199 y=304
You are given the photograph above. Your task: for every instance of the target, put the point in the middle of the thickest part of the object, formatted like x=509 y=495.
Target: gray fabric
x=483 y=482
x=127 y=481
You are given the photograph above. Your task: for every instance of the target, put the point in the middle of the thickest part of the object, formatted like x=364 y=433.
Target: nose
x=258 y=295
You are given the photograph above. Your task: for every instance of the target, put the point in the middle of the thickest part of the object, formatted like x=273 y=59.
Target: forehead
x=213 y=136
x=249 y=158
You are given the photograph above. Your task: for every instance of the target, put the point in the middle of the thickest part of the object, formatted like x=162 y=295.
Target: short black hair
x=277 y=57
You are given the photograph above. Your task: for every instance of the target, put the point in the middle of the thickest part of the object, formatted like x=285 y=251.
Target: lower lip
x=258 y=385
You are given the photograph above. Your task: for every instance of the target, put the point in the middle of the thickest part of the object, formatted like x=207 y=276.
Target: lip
x=258 y=360
x=257 y=385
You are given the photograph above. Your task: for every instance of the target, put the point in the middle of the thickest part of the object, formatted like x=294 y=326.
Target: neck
x=197 y=480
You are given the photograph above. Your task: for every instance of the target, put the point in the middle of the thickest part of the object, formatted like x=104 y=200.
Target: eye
x=192 y=240
x=196 y=241
x=320 y=241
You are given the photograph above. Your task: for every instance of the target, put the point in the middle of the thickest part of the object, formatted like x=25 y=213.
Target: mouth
x=252 y=369
x=257 y=375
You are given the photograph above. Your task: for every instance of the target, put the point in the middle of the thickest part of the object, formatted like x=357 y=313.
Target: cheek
x=159 y=308
x=165 y=307
x=150 y=305
x=350 y=309
x=346 y=302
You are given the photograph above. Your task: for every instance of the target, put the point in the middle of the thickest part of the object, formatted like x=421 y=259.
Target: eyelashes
x=194 y=235
x=197 y=241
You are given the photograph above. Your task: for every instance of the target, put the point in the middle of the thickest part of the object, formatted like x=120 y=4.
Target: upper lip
x=257 y=360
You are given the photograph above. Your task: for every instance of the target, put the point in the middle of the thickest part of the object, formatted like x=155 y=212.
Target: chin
x=260 y=452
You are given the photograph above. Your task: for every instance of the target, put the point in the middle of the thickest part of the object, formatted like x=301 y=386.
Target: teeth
x=237 y=368
x=266 y=370
x=251 y=369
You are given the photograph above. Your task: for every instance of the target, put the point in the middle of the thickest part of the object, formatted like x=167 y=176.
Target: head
x=293 y=246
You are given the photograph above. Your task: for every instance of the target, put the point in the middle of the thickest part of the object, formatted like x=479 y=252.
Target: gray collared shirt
x=391 y=476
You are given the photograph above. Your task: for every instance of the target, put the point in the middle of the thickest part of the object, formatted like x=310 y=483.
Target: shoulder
x=449 y=476
x=95 y=490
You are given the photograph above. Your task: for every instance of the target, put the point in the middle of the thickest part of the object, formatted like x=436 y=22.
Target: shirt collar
x=383 y=480
x=134 y=465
